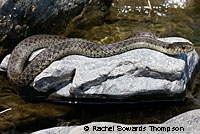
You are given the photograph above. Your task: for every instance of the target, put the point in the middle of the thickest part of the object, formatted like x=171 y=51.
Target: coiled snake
x=58 y=47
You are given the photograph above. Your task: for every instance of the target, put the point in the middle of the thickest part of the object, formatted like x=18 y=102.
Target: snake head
x=181 y=47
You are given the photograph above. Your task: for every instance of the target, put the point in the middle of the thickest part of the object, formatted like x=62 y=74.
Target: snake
x=58 y=47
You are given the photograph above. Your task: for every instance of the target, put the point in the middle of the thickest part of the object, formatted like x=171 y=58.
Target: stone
x=191 y=119
x=188 y=122
x=40 y=10
x=134 y=73
x=4 y=63
x=19 y=17
x=2 y=2
x=137 y=72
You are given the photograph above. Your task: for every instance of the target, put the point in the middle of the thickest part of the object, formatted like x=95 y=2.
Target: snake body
x=58 y=47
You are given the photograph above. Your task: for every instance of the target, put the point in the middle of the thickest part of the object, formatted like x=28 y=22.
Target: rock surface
x=13 y=13
x=22 y=18
x=137 y=72
x=188 y=122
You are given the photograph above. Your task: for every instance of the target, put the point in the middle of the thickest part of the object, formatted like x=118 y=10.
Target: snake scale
x=58 y=47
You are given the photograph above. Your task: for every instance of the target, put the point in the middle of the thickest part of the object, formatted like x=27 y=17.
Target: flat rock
x=137 y=72
x=188 y=122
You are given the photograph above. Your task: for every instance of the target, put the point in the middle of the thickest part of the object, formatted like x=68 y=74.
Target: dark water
x=107 y=24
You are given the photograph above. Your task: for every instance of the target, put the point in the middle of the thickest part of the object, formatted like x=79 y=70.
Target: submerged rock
x=134 y=73
x=185 y=123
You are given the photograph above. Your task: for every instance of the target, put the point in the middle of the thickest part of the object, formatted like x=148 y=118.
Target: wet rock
x=134 y=73
x=22 y=18
x=188 y=122
x=12 y=13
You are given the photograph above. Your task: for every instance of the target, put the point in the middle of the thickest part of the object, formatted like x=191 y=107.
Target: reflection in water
x=175 y=3
x=151 y=5
x=168 y=17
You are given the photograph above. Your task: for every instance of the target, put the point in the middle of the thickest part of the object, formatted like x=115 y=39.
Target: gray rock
x=185 y=123
x=137 y=72
x=4 y=63
x=2 y=2
x=190 y=119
